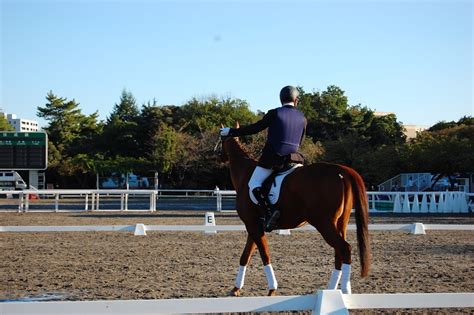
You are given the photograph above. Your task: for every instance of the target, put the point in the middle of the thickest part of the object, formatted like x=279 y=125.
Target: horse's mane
x=238 y=151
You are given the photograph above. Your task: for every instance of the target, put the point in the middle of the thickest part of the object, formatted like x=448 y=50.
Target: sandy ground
x=118 y=265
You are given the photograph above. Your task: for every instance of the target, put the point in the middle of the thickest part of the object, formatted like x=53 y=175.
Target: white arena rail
x=141 y=229
x=396 y=202
x=327 y=302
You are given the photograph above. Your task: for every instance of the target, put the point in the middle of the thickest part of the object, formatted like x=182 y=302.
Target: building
x=412 y=130
x=20 y=124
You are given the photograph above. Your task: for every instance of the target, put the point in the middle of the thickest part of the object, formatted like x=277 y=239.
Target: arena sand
x=118 y=265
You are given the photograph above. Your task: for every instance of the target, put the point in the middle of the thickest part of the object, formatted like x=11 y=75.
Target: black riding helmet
x=288 y=94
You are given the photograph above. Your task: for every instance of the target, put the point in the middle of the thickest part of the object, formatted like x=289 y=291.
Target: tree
x=121 y=129
x=324 y=111
x=446 y=151
x=205 y=115
x=385 y=130
x=166 y=149
x=4 y=124
x=126 y=109
x=465 y=120
x=64 y=119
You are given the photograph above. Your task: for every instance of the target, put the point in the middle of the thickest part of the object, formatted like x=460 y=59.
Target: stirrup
x=270 y=223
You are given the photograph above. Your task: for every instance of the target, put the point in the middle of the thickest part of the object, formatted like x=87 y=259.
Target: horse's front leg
x=249 y=249
x=262 y=244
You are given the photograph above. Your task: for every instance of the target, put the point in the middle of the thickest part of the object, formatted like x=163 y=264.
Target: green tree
x=4 y=125
x=166 y=148
x=121 y=129
x=385 y=130
x=202 y=116
x=324 y=112
x=446 y=151
x=64 y=118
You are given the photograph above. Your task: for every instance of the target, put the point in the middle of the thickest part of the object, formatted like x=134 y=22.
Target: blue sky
x=413 y=58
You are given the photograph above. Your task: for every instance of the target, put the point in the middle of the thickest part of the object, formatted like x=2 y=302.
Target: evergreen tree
x=121 y=129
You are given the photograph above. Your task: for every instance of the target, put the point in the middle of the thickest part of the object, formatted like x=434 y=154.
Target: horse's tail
x=362 y=217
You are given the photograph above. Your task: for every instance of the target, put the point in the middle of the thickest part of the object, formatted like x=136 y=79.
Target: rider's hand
x=224 y=132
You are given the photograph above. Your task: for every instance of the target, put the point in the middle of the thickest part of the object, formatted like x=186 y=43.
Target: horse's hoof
x=235 y=292
x=272 y=292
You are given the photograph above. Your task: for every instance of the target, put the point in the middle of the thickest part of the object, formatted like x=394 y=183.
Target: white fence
x=327 y=302
x=140 y=228
x=396 y=202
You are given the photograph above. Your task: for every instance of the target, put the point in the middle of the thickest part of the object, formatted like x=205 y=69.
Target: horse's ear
x=237 y=125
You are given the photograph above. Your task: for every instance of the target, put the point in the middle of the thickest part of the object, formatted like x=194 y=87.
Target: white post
x=218 y=199
x=92 y=201
x=122 y=197
x=424 y=204
x=433 y=208
x=464 y=205
x=152 y=194
x=416 y=205
x=27 y=202
x=457 y=202
x=406 y=204
x=97 y=201
x=373 y=202
x=56 y=203
x=448 y=202
x=396 y=204
x=86 y=206
x=126 y=201
x=20 y=202
x=441 y=202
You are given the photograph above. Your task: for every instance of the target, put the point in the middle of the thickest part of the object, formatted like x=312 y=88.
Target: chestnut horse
x=321 y=194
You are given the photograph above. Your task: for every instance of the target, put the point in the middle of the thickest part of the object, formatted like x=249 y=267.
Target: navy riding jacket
x=286 y=129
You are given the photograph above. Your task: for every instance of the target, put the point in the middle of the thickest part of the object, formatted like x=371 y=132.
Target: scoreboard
x=23 y=150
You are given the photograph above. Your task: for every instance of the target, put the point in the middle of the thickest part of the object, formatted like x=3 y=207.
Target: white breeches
x=258 y=177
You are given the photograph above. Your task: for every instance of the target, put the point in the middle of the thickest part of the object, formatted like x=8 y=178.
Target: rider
x=286 y=128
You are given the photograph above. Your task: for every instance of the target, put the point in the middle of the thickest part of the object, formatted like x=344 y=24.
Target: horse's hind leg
x=249 y=249
x=342 y=256
x=336 y=273
x=262 y=244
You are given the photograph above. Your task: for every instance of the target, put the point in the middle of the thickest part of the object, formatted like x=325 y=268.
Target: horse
x=321 y=194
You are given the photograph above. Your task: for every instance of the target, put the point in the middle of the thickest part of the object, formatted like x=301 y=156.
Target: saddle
x=272 y=185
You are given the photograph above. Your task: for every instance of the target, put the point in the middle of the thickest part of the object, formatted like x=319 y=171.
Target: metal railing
x=104 y=200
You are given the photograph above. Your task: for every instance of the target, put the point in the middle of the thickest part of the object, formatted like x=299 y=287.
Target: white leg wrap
x=239 y=281
x=346 y=279
x=334 y=281
x=258 y=176
x=271 y=279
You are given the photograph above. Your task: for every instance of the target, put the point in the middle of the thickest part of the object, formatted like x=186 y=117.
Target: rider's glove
x=224 y=132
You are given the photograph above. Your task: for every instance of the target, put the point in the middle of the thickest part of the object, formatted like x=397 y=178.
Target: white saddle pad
x=274 y=193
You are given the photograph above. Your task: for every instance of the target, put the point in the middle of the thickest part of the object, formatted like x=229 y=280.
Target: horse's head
x=226 y=142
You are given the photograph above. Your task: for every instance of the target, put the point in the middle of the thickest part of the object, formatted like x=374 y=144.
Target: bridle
x=218 y=145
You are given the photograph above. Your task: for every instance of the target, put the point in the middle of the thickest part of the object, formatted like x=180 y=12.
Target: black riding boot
x=271 y=212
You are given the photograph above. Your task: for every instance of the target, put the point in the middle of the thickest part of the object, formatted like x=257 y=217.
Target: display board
x=23 y=150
